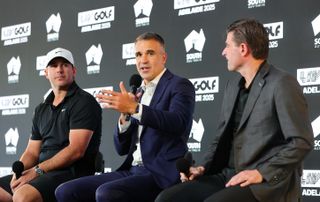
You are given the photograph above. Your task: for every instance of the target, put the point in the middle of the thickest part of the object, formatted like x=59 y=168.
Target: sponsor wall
x=101 y=34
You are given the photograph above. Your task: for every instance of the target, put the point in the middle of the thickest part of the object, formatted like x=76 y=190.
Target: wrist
x=135 y=109
x=38 y=170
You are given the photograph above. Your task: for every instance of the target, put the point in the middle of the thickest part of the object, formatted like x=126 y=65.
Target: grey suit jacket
x=274 y=134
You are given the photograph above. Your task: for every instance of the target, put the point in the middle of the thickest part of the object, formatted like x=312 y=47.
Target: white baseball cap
x=59 y=52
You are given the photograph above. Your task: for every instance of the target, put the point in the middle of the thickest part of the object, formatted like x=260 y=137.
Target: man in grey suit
x=264 y=131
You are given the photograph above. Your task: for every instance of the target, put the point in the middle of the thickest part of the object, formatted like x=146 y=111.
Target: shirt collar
x=154 y=82
x=243 y=81
x=71 y=90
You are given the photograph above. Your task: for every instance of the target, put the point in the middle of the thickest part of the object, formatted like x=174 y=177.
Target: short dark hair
x=151 y=36
x=253 y=33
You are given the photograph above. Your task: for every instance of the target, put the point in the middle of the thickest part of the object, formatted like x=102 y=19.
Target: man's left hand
x=26 y=177
x=245 y=178
x=122 y=101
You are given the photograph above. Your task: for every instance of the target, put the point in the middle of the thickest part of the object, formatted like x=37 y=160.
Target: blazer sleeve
x=293 y=117
x=123 y=141
x=210 y=153
x=177 y=116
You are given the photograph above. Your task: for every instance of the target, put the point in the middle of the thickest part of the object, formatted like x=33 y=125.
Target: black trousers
x=45 y=184
x=206 y=189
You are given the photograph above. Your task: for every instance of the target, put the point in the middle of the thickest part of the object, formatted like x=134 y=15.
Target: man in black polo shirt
x=65 y=136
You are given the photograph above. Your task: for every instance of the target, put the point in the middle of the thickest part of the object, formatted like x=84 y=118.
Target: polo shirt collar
x=71 y=90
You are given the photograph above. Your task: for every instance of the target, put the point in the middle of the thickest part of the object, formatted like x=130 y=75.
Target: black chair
x=99 y=163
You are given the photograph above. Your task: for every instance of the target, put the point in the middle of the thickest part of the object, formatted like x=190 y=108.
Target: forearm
x=286 y=160
x=62 y=159
x=29 y=160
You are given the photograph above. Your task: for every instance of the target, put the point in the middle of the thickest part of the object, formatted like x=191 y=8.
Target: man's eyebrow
x=150 y=51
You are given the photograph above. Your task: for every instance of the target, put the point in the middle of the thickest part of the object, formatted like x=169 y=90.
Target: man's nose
x=223 y=52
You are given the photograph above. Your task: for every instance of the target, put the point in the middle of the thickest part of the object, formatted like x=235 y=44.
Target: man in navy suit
x=264 y=130
x=153 y=138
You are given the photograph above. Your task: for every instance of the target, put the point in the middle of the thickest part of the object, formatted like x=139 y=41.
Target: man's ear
x=74 y=70
x=245 y=49
x=164 y=57
x=46 y=72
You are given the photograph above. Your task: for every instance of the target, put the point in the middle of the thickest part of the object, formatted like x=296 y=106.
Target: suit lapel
x=161 y=86
x=160 y=89
x=232 y=97
x=254 y=94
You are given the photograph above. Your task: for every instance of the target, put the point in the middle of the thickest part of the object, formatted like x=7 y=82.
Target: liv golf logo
x=96 y=19
x=256 y=3
x=16 y=34
x=275 y=31
x=194 y=44
x=310 y=183
x=187 y=7
x=14 y=104
x=316 y=30
x=142 y=11
x=128 y=54
x=309 y=79
x=205 y=88
x=97 y=90
x=41 y=64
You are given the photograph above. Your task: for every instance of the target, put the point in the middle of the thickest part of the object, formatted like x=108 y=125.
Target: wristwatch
x=38 y=170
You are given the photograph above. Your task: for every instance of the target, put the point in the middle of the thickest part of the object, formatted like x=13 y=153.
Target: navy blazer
x=166 y=127
x=274 y=134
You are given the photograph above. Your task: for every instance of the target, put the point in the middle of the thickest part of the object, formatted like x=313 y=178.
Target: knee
x=18 y=197
x=106 y=194
x=102 y=194
x=22 y=196
x=164 y=196
x=63 y=192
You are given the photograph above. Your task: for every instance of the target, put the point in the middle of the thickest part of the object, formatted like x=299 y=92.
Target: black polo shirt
x=52 y=124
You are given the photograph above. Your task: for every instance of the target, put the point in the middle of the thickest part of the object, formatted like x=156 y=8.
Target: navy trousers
x=134 y=185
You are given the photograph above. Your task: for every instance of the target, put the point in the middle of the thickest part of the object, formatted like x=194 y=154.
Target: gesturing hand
x=122 y=101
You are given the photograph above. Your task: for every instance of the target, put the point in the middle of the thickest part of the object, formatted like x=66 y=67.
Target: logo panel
x=316 y=30
x=142 y=11
x=205 y=88
x=309 y=79
x=275 y=31
x=16 y=34
x=93 y=58
x=128 y=53
x=195 y=137
x=97 y=90
x=256 y=3
x=187 y=7
x=14 y=104
x=53 y=25
x=194 y=44
x=96 y=19
x=11 y=139
x=310 y=183
x=13 y=67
